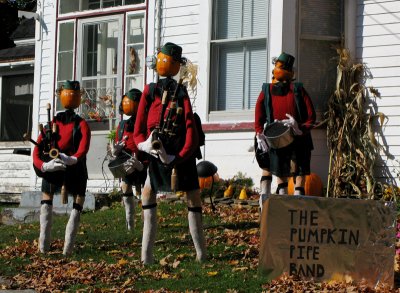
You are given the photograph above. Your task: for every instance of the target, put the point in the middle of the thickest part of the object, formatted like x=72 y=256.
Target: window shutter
x=229 y=19
x=257 y=71
x=255 y=15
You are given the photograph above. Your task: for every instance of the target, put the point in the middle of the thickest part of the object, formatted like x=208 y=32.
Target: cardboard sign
x=328 y=239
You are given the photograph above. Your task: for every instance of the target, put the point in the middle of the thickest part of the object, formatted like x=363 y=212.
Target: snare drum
x=278 y=135
x=117 y=167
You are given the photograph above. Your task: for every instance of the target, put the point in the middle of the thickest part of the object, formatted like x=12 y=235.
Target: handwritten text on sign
x=306 y=237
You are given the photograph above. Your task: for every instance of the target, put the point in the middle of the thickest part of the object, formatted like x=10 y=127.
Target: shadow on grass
x=235 y=226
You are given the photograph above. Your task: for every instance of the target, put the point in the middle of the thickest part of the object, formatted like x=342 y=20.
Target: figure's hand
x=162 y=155
x=118 y=147
x=53 y=166
x=262 y=142
x=68 y=160
x=146 y=146
x=292 y=123
x=133 y=164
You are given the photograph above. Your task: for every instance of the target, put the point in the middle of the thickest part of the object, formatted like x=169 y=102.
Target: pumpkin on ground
x=313 y=185
x=206 y=182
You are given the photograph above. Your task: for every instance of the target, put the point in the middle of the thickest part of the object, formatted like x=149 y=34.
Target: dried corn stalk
x=351 y=139
x=188 y=73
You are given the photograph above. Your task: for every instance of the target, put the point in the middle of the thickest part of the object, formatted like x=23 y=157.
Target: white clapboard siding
x=378 y=46
x=14 y=171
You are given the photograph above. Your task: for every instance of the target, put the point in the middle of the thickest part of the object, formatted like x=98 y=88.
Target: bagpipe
x=168 y=131
x=48 y=150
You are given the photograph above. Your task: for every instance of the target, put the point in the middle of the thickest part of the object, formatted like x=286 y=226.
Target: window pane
x=321 y=17
x=134 y=56
x=66 y=39
x=129 y=2
x=134 y=60
x=229 y=93
x=255 y=18
x=135 y=29
x=228 y=19
x=257 y=71
x=67 y=6
x=65 y=65
x=100 y=48
x=134 y=82
x=16 y=107
x=100 y=95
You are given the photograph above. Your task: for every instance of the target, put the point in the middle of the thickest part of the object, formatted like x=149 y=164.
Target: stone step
x=33 y=199
x=29 y=208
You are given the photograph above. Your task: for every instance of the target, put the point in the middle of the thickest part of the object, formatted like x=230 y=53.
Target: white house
x=103 y=44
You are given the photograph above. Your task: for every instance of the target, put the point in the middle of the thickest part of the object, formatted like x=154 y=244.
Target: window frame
x=91 y=11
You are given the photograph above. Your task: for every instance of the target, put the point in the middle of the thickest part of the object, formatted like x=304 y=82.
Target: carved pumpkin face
x=70 y=99
x=281 y=74
x=129 y=107
x=166 y=65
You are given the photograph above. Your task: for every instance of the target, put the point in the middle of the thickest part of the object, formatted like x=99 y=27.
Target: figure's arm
x=192 y=140
x=140 y=129
x=310 y=121
x=260 y=115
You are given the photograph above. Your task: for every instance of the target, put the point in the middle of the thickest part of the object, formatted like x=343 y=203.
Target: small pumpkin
x=229 y=191
x=166 y=65
x=313 y=185
x=243 y=194
x=206 y=182
x=129 y=107
x=70 y=99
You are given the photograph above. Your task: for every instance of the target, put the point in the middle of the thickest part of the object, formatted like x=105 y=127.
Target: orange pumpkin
x=166 y=65
x=207 y=181
x=313 y=185
x=129 y=107
x=70 y=99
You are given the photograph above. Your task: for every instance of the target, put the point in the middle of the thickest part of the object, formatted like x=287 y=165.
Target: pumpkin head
x=169 y=60
x=70 y=95
x=130 y=102
x=313 y=185
x=283 y=70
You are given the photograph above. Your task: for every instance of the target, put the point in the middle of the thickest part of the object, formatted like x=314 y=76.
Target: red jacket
x=65 y=142
x=282 y=105
x=147 y=121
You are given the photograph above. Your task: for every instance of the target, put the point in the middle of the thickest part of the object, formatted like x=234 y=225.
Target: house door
x=99 y=66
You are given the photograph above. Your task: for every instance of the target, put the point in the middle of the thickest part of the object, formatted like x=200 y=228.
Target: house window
x=238 y=53
x=16 y=106
x=134 y=64
x=321 y=26
x=67 y=6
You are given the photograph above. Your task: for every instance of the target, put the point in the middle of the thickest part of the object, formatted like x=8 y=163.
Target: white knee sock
x=71 y=231
x=149 y=234
x=197 y=232
x=46 y=219
x=265 y=190
x=129 y=205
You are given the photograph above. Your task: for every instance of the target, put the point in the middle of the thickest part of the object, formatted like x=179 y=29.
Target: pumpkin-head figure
x=283 y=70
x=130 y=102
x=70 y=94
x=169 y=60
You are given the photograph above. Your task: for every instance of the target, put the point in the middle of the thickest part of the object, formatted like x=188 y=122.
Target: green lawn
x=108 y=257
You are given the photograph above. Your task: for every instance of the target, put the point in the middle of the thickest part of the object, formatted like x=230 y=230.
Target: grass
x=107 y=256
